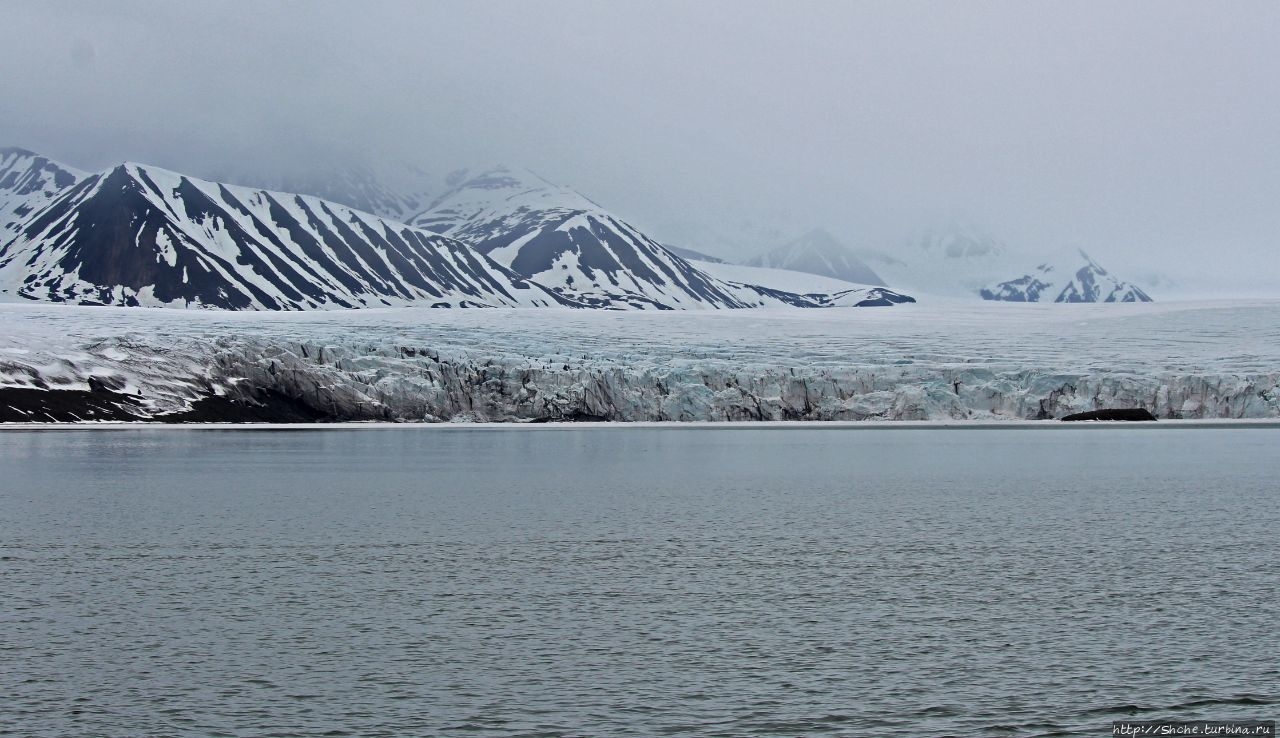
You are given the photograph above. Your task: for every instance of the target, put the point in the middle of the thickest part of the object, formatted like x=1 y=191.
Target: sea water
x=602 y=581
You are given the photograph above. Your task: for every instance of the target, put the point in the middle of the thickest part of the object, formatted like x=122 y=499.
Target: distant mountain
x=1077 y=278
x=28 y=182
x=818 y=252
x=692 y=255
x=139 y=235
x=960 y=242
x=956 y=260
x=395 y=190
x=727 y=236
x=561 y=239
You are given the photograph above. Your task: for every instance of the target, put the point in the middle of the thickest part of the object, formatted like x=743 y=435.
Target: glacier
x=931 y=361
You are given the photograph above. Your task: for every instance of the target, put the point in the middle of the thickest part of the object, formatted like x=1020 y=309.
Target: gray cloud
x=1145 y=131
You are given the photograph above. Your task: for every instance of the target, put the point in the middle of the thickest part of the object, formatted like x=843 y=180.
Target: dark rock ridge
x=137 y=235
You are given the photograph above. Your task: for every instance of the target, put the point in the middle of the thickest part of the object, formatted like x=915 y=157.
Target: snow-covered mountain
x=824 y=291
x=1075 y=278
x=818 y=252
x=28 y=182
x=727 y=233
x=561 y=239
x=139 y=235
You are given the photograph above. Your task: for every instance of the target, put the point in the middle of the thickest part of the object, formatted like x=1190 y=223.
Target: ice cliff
x=1010 y=362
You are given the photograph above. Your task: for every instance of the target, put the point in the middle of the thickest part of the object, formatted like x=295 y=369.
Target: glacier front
x=931 y=361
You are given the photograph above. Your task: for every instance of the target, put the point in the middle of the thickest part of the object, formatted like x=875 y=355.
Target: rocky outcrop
x=1126 y=414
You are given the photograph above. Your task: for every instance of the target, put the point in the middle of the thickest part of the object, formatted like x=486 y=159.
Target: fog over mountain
x=1143 y=132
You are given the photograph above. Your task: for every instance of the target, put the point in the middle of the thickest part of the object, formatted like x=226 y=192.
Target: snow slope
x=779 y=279
x=974 y=360
x=138 y=235
x=563 y=240
x=825 y=291
x=1073 y=278
x=818 y=252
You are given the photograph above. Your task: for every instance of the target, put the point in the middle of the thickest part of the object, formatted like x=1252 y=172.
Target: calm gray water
x=632 y=581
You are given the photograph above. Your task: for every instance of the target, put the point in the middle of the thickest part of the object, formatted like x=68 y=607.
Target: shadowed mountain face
x=565 y=241
x=1082 y=280
x=139 y=235
x=818 y=252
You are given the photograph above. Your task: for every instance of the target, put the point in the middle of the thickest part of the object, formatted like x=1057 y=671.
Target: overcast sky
x=1146 y=132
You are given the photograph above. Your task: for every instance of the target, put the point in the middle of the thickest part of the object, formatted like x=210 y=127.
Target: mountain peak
x=503 y=177
x=7 y=151
x=497 y=192
x=29 y=181
x=1081 y=279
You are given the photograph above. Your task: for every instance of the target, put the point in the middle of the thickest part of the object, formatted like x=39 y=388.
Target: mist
x=1146 y=133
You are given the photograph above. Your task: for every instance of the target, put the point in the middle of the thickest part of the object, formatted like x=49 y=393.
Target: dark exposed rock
x=267 y=407
x=1128 y=413
x=34 y=405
